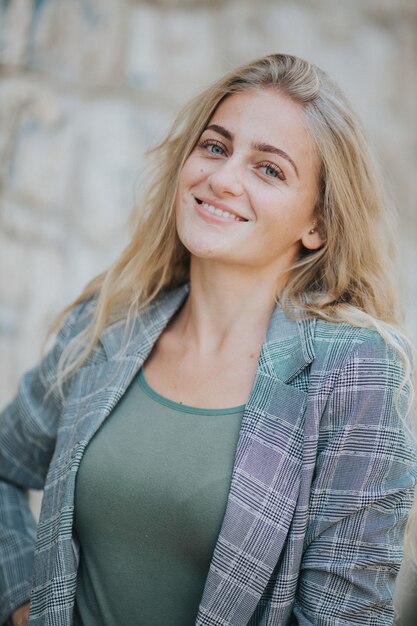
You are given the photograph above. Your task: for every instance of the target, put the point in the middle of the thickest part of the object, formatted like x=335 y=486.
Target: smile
x=216 y=211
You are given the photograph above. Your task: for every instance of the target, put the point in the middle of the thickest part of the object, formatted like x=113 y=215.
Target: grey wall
x=87 y=85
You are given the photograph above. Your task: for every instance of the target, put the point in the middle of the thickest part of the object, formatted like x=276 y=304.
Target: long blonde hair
x=350 y=278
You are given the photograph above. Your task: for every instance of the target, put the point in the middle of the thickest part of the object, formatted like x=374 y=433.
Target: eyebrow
x=259 y=146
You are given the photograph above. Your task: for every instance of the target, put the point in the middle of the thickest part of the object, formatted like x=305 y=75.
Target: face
x=248 y=190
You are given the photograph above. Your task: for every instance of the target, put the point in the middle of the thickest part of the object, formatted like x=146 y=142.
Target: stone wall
x=88 y=85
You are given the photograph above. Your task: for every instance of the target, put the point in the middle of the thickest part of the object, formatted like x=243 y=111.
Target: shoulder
x=79 y=317
x=352 y=361
x=305 y=346
x=127 y=331
x=338 y=343
x=364 y=376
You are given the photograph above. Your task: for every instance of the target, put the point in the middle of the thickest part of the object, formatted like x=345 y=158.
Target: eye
x=214 y=147
x=271 y=170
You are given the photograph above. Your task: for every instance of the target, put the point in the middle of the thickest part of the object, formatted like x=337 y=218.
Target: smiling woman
x=233 y=173
x=221 y=428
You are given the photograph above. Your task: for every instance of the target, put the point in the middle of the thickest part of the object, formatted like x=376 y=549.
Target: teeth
x=215 y=211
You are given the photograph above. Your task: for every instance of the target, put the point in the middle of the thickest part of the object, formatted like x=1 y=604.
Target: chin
x=197 y=244
x=201 y=251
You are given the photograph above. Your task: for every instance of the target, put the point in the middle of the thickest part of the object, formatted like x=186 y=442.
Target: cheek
x=189 y=170
x=193 y=172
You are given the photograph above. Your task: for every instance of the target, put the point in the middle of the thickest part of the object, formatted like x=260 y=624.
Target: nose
x=227 y=179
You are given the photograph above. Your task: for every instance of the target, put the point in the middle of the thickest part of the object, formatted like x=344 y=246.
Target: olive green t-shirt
x=150 y=498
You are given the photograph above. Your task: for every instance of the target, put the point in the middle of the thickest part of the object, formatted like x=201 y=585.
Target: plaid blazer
x=321 y=488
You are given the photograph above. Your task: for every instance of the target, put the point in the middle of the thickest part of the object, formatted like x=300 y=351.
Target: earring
x=313 y=230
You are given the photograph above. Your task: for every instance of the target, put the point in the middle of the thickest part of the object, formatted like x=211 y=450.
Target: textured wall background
x=88 y=85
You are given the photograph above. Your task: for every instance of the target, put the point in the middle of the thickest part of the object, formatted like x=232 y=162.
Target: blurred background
x=88 y=85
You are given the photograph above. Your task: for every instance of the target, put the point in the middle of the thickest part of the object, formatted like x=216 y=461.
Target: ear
x=313 y=238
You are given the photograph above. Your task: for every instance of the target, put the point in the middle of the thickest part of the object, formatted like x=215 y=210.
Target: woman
x=220 y=428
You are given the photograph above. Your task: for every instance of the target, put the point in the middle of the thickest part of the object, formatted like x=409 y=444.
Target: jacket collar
x=138 y=340
x=287 y=349
x=289 y=344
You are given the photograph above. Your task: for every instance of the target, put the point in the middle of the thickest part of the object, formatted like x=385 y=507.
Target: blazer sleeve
x=361 y=494
x=28 y=428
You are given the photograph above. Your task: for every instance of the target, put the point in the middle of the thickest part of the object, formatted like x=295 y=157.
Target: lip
x=217 y=205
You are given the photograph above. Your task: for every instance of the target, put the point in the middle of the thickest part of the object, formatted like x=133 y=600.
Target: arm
x=361 y=495
x=27 y=438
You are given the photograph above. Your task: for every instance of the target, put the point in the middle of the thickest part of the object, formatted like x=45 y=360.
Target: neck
x=226 y=306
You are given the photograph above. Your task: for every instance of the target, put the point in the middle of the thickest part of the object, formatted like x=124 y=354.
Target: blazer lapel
x=101 y=386
x=95 y=390
x=266 y=478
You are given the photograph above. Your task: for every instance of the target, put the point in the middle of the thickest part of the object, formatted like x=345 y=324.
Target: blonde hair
x=350 y=278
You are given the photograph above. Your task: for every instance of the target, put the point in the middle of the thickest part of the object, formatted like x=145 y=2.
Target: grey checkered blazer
x=321 y=488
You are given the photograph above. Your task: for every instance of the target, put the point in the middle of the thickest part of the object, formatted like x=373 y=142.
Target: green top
x=150 y=498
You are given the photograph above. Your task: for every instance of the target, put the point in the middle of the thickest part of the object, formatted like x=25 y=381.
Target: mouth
x=216 y=210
